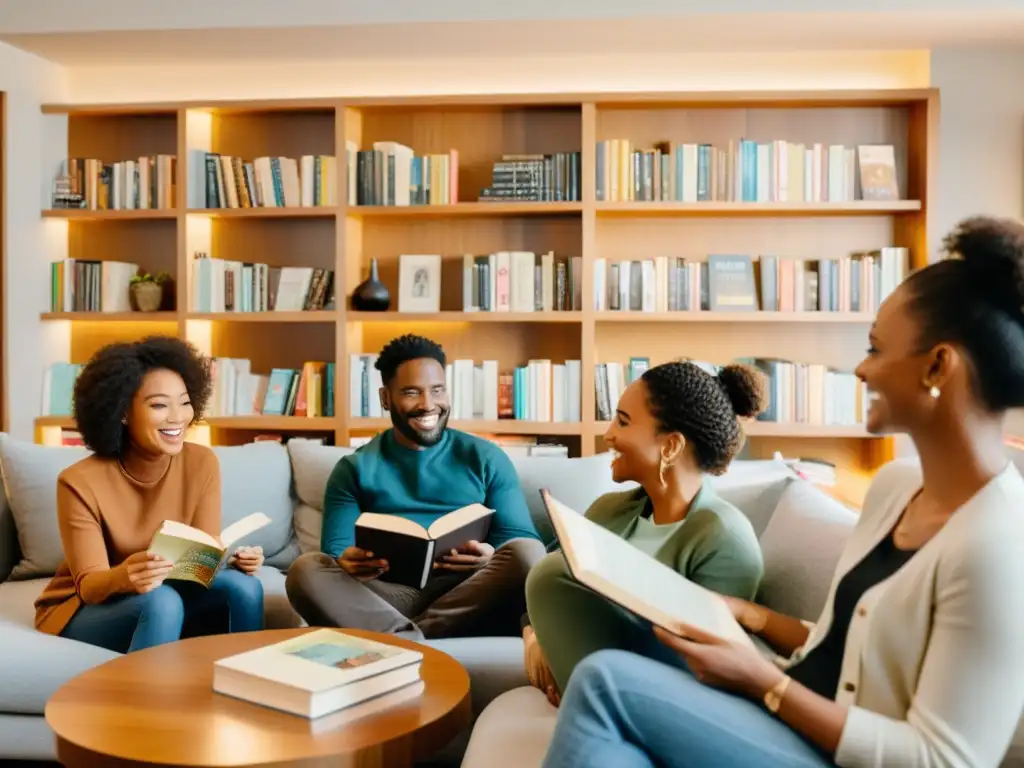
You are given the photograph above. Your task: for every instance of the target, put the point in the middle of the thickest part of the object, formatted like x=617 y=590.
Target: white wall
x=981 y=141
x=29 y=82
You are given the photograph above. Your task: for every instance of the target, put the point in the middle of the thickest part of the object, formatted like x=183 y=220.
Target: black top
x=819 y=670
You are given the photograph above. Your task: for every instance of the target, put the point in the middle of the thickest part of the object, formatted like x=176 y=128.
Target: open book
x=628 y=576
x=196 y=555
x=411 y=549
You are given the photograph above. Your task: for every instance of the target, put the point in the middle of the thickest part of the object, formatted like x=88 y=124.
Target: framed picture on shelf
x=419 y=283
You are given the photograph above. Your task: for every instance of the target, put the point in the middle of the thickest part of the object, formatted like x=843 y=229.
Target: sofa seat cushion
x=17 y=599
x=36 y=665
x=494 y=664
x=513 y=732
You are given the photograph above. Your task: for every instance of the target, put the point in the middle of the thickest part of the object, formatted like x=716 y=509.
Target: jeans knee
x=240 y=589
x=164 y=605
x=596 y=673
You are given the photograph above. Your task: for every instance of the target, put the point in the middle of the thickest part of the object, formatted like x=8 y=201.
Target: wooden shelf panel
x=273 y=423
x=714 y=208
x=320 y=316
x=465 y=317
x=464 y=209
x=774 y=429
x=830 y=318
x=311 y=212
x=112 y=317
x=501 y=426
x=84 y=214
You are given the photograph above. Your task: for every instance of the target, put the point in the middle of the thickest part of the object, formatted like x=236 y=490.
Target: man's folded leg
x=325 y=596
x=490 y=601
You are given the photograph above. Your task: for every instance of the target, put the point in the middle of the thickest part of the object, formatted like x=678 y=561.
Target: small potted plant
x=147 y=291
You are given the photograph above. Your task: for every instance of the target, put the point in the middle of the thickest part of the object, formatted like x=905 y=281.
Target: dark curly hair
x=685 y=398
x=975 y=300
x=402 y=350
x=108 y=382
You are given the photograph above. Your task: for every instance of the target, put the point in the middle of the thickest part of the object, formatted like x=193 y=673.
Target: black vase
x=371 y=295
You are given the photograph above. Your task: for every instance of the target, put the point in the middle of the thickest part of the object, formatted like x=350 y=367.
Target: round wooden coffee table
x=158 y=707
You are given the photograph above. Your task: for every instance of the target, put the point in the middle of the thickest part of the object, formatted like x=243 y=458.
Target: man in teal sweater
x=419 y=470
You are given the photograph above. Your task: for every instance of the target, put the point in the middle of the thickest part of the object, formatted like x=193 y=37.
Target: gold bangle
x=773 y=698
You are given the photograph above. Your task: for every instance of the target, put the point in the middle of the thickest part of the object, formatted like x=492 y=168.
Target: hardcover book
x=317 y=673
x=411 y=549
x=631 y=578
x=197 y=556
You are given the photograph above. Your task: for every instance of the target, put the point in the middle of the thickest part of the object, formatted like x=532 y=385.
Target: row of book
x=535 y=178
x=859 y=282
x=521 y=281
x=225 y=181
x=79 y=285
x=222 y=285
x=798 y=393
x=744 y=171
x=238 y=391
x=540 y=390
x=144 y=183
x=393 y=174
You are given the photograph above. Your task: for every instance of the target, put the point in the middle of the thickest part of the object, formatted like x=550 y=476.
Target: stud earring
x=934 y=392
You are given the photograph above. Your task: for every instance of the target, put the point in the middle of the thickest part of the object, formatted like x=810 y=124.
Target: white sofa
x=801 y=530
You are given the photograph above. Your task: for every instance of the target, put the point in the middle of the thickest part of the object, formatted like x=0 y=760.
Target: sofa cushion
x=29 y=474
x=312 y=464
x=256 y=477
x=801 y=546
x=42 y=664
x=513 y=732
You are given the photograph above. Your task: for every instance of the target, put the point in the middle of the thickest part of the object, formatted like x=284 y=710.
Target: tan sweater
x=105 y=516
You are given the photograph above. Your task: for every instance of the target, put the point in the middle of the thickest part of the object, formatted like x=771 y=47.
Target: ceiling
x=129 y=32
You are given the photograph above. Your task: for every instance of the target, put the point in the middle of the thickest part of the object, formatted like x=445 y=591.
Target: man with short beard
x=421 y=470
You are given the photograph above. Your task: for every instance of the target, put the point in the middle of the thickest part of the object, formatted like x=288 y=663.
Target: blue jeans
x=175 y=609
x=622 y=710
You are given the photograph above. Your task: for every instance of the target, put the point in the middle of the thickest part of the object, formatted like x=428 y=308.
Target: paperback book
x=198 y=556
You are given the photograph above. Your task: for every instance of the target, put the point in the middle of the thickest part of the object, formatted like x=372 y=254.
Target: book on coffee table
x=628 y=576
x=411 y=549
x=198 y=556
x=315 y=674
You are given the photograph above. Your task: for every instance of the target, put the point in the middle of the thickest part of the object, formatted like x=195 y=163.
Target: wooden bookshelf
x=344 y=237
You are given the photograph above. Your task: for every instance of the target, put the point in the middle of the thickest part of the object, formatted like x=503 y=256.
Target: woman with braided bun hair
x=673 y=426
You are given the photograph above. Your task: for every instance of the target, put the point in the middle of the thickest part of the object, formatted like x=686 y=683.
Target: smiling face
x=895 y=371
x=417 y=399
x=160 y=413
x=633 y=438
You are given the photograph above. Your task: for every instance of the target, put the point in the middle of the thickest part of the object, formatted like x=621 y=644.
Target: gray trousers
x=481 y=603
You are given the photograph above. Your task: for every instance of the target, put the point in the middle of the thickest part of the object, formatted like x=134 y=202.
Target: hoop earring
x=934 y=392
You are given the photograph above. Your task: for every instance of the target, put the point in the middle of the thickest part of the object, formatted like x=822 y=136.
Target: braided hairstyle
x=685 y=398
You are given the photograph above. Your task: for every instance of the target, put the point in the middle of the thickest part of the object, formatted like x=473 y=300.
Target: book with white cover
x=628 y=576
x=317 y=673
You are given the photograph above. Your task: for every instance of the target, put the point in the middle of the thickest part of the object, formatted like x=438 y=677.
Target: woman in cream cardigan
x=917 y=660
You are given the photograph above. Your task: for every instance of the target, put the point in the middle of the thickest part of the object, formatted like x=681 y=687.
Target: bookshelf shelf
x=111 y=317
x=479 y=426
x=464 y=209
x=738 y=209
x=310 y=212
x=465 y=317
x=830 y=318
x=475 y=133
x=84 y=214
x=313 y=316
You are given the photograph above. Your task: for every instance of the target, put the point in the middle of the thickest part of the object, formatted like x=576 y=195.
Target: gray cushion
x=26 y=737
x=801 y=546
x=312 y=464
x=30 y=481
x=514 y=732
x=256 y=477
x=44 y=664
x=17 y=600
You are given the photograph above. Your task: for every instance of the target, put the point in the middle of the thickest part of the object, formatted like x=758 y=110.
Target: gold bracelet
x=773 y=698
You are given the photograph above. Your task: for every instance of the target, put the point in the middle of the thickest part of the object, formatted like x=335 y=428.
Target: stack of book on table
x=317 y=673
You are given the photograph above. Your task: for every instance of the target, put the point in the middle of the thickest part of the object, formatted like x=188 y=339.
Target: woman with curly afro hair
x=133 y=403
x=673 y=426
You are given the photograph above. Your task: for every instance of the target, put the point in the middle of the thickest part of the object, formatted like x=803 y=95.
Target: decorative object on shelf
x=371 y=295
x=419 y=283
x=147 y=291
